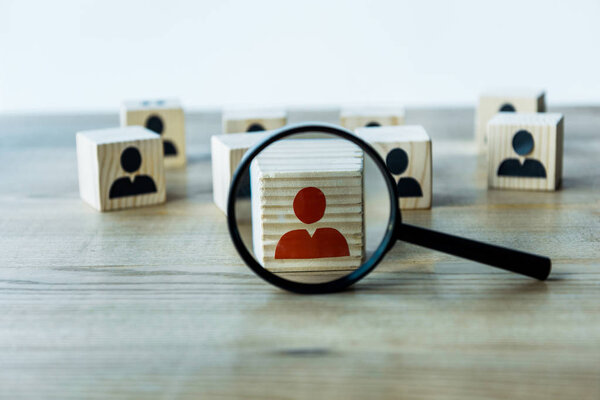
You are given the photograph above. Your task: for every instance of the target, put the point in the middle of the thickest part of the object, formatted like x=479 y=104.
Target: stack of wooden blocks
x=332 y=167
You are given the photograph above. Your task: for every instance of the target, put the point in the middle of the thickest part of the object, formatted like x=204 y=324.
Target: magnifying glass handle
x=516 y=261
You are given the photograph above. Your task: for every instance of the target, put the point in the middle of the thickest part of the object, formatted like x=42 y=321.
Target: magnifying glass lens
x=312 y=208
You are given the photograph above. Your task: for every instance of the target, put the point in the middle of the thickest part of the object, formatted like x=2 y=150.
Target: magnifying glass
x=313 y=209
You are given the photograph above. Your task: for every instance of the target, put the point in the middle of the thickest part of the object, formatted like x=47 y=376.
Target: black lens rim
x=339 y=283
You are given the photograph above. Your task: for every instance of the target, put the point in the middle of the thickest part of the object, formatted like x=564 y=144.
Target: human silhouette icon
x=131 y=159
x=507 y=107
x=255 y=127
x=522 y=144
x=397 y=162
x=309 y=206
x=155 y=124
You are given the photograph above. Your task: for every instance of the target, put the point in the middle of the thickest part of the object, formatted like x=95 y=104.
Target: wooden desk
x=155 y=302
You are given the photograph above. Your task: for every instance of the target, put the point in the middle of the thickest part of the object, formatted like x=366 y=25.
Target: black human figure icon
x=397 y=162
x=131 y=159
x=372 y=124
x=507 y=107
x=255 y=127
x=522 y=144
x=155 y=124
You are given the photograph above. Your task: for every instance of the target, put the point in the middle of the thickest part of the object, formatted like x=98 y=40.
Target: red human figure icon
x=309 y=206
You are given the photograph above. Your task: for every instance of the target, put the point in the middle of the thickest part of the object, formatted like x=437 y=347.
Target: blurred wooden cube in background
x=120 y=168
x=505 y=100
x=164 y=117
x=371 y=116
x=239 y=121
x=406 y=150
x=525 y=151
x=226 y=153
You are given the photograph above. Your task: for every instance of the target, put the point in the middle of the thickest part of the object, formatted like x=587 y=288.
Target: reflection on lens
x=309 y=217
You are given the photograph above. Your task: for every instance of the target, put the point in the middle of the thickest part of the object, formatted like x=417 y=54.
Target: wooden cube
x=525 y=151
x=357 y=117
x=240 y=121
x=120 y=168
x=226 y=153
x=406 y=151
x=164 y=117
x=307 y=192
x=515 y=100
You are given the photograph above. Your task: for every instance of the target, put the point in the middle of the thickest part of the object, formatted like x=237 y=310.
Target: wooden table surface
x=155 y=302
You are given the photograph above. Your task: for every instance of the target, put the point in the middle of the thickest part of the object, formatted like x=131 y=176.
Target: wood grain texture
x=333 y=166
x=417 y=144
x=172 y=117
x=154 y=302
x=491 y=102
x=99 y=166
x=546 y=130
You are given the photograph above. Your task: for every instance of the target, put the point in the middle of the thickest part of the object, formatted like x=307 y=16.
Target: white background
x=92 y=54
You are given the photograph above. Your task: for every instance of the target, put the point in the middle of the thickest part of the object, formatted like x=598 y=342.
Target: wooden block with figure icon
x=120 y=168
x=525 y=151
x=406 y=150
x=358 y=117
x=307 y=205
x=164 y=117
x=240 y=121
x=226 y=153
x=505 y=100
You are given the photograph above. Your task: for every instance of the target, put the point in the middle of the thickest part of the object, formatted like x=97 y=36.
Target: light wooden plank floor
x=155 y=303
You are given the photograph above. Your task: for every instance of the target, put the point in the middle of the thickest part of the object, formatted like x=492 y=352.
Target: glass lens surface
x=312 y=207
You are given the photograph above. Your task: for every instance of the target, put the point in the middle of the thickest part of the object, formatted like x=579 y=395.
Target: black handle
x=511 y=260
